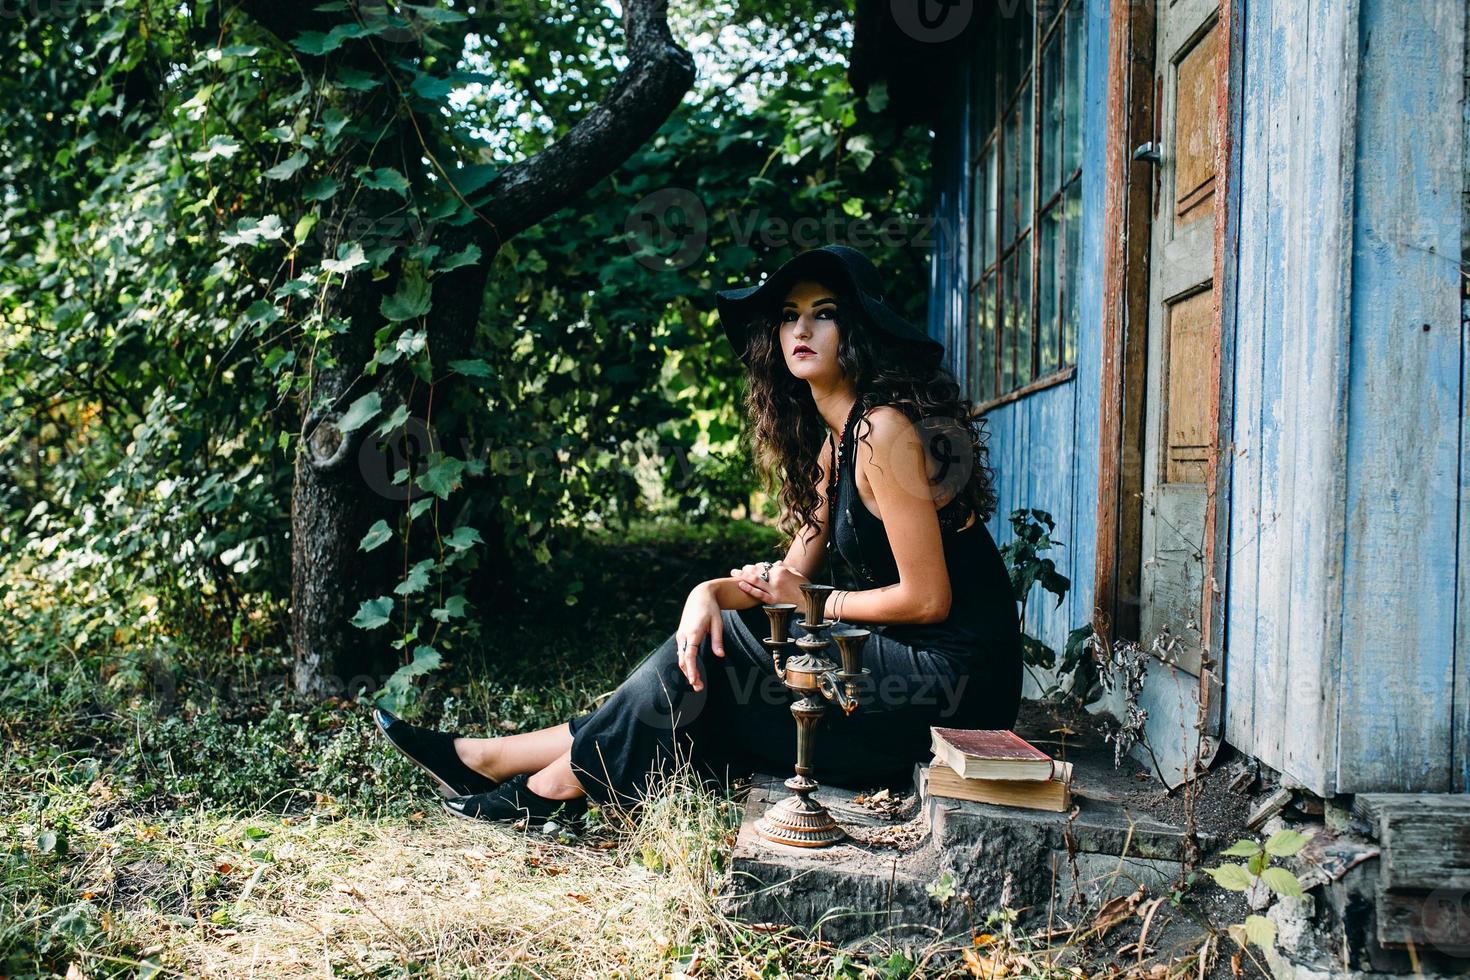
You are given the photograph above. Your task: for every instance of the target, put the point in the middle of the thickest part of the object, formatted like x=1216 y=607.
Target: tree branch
x=659 y=73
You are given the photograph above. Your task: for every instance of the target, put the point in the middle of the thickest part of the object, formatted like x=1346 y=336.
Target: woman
x=831 y=368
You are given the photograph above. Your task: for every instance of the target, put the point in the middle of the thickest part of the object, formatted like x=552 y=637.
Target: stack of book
x=997 y=767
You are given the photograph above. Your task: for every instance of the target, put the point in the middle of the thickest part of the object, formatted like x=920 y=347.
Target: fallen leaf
x=1117 y=910
x=989 y=967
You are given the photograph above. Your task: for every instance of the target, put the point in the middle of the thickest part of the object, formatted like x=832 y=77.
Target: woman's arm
x=897 y=468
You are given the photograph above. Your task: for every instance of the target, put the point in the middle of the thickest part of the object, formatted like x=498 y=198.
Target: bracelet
x=841 y=602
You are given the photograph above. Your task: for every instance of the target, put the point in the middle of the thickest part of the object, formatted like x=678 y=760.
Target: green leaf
x=442 y=475
x=349 y=257
x=425 y=659
x=287 y=167
x=387 y=179
x=467 y=180
x=373 y=613
x=46 y=841
x=1285 y=843
x=218 y=146
x=417 y=579
x=320 y=189
x=257 y=833
x=360 y=412
x=878 y=95
x=1282 y=882
x=463 y=537
x=393 y=421
x=356 y=79
x=473 y=368
x=411 y=300
x=250 y=231
x=1241 y=848
x=453 y=608
x=315 y=42
x=334 y=120
x=417 y=508
x=942 y=889
x=304 y=227
x=1257 y=863
x=376 y=535
x=1261 y=931
x=429 y=14
x=431 y=88
x=469 y=255
x=1234 y=877
x=262 y=313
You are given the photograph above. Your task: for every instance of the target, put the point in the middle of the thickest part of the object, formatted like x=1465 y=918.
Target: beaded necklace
x=837 y=457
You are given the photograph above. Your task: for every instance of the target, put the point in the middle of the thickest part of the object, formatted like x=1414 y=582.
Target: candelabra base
x=800 y=820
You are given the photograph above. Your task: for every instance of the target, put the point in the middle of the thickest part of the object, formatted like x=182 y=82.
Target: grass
x=254 y=835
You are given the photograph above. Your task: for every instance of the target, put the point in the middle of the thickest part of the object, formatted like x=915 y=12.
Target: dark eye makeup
x=826 y=310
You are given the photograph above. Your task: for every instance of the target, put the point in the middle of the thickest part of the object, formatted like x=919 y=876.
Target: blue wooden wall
x=1044 y=446
x=1347 y=589
x=1340 y=623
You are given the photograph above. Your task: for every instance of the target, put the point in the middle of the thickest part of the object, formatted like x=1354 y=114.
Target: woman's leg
x=501 y=758
x=557 y=781
x=655 y=719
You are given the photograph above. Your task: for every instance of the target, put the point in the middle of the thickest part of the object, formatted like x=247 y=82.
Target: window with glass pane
x=1025 y=194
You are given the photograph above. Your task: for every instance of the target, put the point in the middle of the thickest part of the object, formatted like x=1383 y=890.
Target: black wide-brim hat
x=833 y=264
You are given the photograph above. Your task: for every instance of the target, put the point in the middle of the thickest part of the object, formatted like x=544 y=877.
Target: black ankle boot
x=512 y=800
x=433 y=752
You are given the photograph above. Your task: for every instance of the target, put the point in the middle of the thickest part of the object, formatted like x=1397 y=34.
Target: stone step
x=851 y=889
x=879 y=880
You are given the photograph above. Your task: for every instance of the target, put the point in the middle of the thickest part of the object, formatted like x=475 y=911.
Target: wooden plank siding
x=1284 y=606
x=1339 y=658
x=1461 y=698
x=1395 y=717
x=1338 y=579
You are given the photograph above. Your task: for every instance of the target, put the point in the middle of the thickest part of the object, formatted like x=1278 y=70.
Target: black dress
x=964 y=672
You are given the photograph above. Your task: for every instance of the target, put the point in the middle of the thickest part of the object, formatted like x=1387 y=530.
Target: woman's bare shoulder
x=886 y=426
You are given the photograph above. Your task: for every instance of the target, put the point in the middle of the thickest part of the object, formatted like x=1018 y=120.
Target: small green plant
x=1025 y=558
x=942 y=889
x=1256 y=870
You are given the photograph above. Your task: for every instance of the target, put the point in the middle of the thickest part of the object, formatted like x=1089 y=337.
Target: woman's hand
x=780 y=584
x=701 y=616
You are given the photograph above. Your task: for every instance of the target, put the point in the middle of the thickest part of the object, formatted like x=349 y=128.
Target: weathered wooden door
x=1180 y=413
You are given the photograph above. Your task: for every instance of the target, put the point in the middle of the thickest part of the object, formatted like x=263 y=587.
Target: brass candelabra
x=799 y=819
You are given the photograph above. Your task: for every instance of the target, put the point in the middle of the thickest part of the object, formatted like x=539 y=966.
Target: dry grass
x=430 y=895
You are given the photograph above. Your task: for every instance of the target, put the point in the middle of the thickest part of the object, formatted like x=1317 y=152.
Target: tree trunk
x=335 y=498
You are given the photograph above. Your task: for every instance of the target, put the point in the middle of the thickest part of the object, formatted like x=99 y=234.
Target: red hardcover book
x=976 y=753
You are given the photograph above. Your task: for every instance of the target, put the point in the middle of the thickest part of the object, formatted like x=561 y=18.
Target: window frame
x=991 y=272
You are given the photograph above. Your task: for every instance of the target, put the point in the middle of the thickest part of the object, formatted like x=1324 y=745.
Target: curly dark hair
x=789 y=435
